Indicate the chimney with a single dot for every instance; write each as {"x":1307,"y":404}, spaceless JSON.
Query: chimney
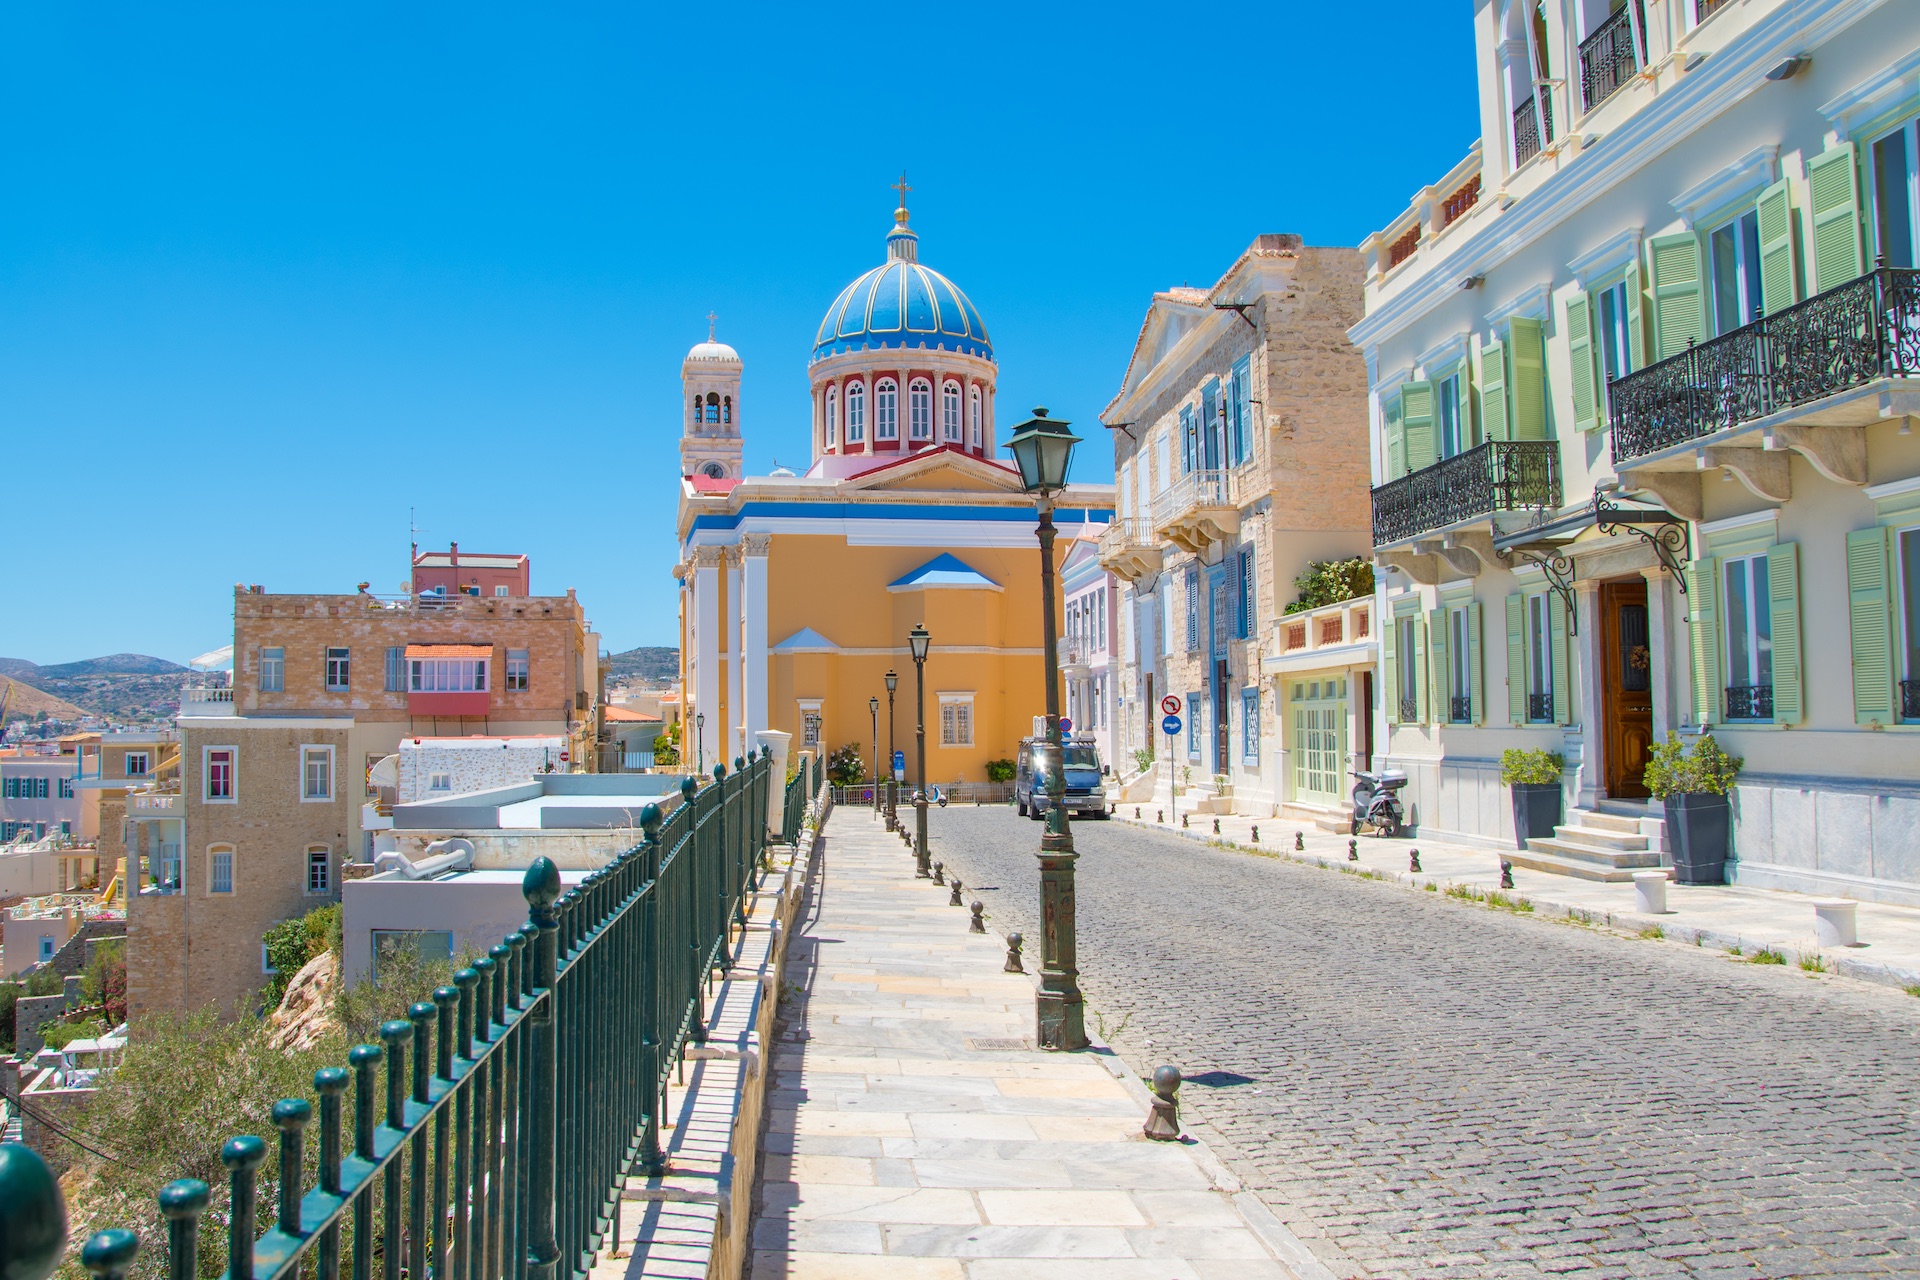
{"x":453,"y":556}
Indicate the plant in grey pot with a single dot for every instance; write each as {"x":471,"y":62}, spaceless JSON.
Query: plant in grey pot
{"x":1694,"y":785}
{"x":1533,"y":776}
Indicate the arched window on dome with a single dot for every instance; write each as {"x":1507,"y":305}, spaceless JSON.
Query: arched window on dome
{"x":713,"y":406}
{"x":973,"y":414}
{"x":886,"y":410}
{"x":833,"y":416}
{"x":950,"y":413}
{"x":920,"y":409}
{"x":726,"y":410}
{"x":856,"y":412}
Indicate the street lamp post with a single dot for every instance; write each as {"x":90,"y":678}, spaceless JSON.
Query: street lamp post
{"x":700,"y":742}
{"x":873,"y":709}
{"x":918,"y":639}
{"x":1042,"y":448}
{"x":893,"y":791}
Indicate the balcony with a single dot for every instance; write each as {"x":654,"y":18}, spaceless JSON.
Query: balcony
{"x":206,"y":701}
{"x":1196,"y":511}
{"x":1861,"y":332}
{"x":1128,"y":549}
{"x":1500,"y":475}
{"x":1608,"y":58}
{"x":1333,"y":635}
{"x":1528,"y":136}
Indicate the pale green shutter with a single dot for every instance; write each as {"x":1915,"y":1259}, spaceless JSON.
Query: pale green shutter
{"x":1779,"y":288}
{"x":1783,"y":597}
{"x":1678,"y":319}
{"x":1562,"y":678}
{"x":1869,"y":606}
{"x":1833,"y":184}
{"x":1396,"y":441}
{"x":1441,"y":678}
{"x":1463,"y":404}
{"x":1703,"y":588}
{"x":1390,"y":669}
{"x":1586,"y":413}
{"x":1636,"y":322}
{"x":1416,"y":404}
{"x":1419,"y":662}
{"x":1476,"y":670}
{"x":1527,"y":388}
{"x":1517,"y":659}
{"x":1493,"y":390}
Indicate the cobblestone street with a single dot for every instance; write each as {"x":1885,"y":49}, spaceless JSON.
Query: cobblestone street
{"x":1427,"y":1087}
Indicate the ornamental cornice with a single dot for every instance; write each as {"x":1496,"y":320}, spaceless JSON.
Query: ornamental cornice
{"x":755,"y":544}
{"x":708,"y":557}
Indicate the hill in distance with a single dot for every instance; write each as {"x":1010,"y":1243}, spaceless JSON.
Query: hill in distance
{"x":655,"y":665}
{"x":123,"y":687}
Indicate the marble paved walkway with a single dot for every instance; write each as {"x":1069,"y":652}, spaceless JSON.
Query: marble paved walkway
{"x":912,"y":1135}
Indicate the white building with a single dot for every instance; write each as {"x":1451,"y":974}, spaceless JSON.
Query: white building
{"x":1089,"y":664}
{"x":1642,"y":423}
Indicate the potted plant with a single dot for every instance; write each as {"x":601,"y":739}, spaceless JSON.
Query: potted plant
{"x":1533,"y":776}
{"x":1694,"y":786}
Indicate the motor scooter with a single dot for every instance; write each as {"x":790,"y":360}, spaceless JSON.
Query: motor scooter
{"x":1376,"y":802}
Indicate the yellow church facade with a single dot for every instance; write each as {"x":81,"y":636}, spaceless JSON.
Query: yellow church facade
{"x":797,"y":591}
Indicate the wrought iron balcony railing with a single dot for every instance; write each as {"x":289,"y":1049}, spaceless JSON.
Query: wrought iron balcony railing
{"x":1528,"y":135}
{"x":1846,"y":337}
{"x":1749,"y":702}
{"x":1410,"y":709}
{"x":1500,"y":475}
{"x":1910,"y":699}
{"x":1607,"y":57}
{"x":1540,"y":708}
{"x":1460,"y":708}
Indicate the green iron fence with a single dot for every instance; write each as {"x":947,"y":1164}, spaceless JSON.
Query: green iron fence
{"x":516,"y":1102}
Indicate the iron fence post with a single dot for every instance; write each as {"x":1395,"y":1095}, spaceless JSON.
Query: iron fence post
{"x":541,"y":888}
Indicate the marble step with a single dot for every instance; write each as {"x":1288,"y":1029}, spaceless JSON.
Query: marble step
{"x":1600,"y":837}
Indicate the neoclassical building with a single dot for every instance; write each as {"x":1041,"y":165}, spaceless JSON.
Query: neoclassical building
{"x":797,"y":590}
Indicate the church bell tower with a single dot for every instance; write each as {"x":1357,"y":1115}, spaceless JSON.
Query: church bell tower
{"x":710,"y":410}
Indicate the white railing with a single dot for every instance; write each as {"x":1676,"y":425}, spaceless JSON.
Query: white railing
{"x":1194,"y":490}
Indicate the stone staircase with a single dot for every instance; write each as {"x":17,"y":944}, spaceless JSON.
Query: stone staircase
{"x":1592,"y":845}
{"x":1318,"y":817}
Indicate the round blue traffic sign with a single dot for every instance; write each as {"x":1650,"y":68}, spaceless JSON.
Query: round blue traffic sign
{"x":1171,"y":726}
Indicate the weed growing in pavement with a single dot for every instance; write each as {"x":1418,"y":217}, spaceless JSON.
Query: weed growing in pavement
{"x":1814,"y":964}
{"x":1912,"y":989}
{"x":1767,"y":955}
{"x":1109,"y":1033}
{"x":1462,"y":892}
{"x":1735,"y":951}
{"x":1653,"y":931}
{"x":1432,"y":887}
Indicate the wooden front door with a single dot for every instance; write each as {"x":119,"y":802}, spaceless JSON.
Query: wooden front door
{"x":1627,"y":685}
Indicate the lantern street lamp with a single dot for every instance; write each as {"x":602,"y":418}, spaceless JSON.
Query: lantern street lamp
{"x":873,"y":709}
{"x":1042,"y":447}
{"x":918,"y":639}
{"x":893,"y":791}
{"x":700,"y":742}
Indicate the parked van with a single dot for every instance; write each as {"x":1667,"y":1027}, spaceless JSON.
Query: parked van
{"x":1086,"y":785}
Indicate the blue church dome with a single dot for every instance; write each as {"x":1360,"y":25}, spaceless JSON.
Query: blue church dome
{"x":902,"y":305}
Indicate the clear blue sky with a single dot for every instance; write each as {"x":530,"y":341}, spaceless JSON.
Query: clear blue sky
{"x":270,"y":275}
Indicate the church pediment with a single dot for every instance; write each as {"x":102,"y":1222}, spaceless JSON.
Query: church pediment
{"x":939,"y":471}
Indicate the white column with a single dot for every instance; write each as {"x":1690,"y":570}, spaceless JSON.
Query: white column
{"x":706,"y":673}
{"x":1590,"y":781}
{"x":736,"y":706}
{"x":1664,"y":653}
{"x":754,"y":548}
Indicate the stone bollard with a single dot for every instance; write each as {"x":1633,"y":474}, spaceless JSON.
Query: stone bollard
{"x":1256,"y":833}
{"x":1183,"y":822}
{"x":1506,"y":874}
{"x":1650,"y":892}
{"x":1353,"y":851}
{"x":1299,"y":842}
{"x":1163,"y":1122}
{"x":1413,"y":859}
{"x":1216,"y":826}
{"x":979,"y":924}
{"x":1136,"y":813}
{"x":939,"y":873}
{"x":954,"y":900}
{"x":1833,"y":922}
{"x":1159,"y":815}
{"x":1013,"y":964}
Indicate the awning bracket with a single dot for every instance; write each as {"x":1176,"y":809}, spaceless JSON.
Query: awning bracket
{"x":1669,"y":539}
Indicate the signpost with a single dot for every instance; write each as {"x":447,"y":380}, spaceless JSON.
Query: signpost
{"x":899,"y":766}
{"x":1171,"y":727}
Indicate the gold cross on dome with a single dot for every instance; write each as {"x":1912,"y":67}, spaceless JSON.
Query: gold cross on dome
{"x":711,"y":317}
{"x":902,"y":187}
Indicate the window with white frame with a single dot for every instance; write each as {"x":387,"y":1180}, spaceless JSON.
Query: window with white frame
{"x":920,"y":409}
{"x":439,"y":781}
{"x":856,"y":412}
{"x":500,"y":592}
{"x":810,"y":725}
{"x":833,"y":416}
{"x":956,"y":719}
{"x":1896,"y":195}
{"x":517,"y":670}
{"x":1749,"y":630}
{"x":66,"y":788}
{"x":886,"y":410}
{"x":319,"y":869}
{"x":220,"y":868}
{"x":1250,"y":726}
{"x":447,"y":675}
{"x":1459,"y":666}
{"x":973,"y":415}
{"x":1733,"y":266}
{"x":1407,"y":631}
{"x":1610,"y":317}
{"x":1539,"y":623}
{"x":217,"y":767}
{"x":273,"y":669}
{"x":316,"y":773}
{"x":950,"y":413}
{"x":338,"y":669}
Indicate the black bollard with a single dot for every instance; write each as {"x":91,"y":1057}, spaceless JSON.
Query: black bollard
{"x":1183,"y":822}
{"x":1506,"y":874}
{"x":1353,"y":851}
{"x":1013,"y":964}
{"x":1299,"y":841}
{"x":1413,"y":859}
{"x":939,"y":873}
{"x":1163,"y":1122}
{"x":954,"y":900}
{"x":979,"y":924}
{"x":1256,"y":833}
